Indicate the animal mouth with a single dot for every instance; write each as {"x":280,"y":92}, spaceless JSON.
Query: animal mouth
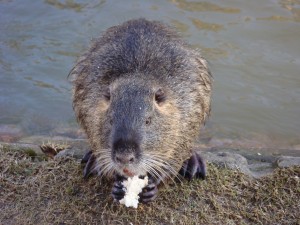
{"x":128,"y":172}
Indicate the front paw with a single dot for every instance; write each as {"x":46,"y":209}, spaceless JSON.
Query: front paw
{"x":89,"y":160}
{"x":193,"y":167}
{"x":118,"y":191}
{"x":149,"y":193}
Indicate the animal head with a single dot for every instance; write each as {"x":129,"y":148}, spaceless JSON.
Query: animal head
{"x":141,"y":98}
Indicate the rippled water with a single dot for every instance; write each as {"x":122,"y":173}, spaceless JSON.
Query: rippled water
{"x":253,"y":48}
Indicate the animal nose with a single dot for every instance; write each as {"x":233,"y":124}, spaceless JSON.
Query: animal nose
{"x":125,"y":158}
{"x":125,"y":150}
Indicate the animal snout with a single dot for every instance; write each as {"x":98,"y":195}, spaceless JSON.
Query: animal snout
{"x":125,"y":151}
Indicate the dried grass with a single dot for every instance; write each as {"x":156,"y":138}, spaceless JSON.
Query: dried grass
{"x":54,"y":192}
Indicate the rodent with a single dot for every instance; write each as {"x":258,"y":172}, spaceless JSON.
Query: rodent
{"x":142,"y":94}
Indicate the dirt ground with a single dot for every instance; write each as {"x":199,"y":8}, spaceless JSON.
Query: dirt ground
{"x":53,"y":191}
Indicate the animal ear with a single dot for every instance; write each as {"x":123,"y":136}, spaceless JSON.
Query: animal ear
{"x":80,"y":71}
{"x":73,"y":75}
{"x":160,"y":96}
{"x":207,"y":79}
{"x":204,"y":72}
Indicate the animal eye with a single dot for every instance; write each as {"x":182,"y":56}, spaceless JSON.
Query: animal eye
{"x":106,"y":94}
{"x":160,"y":96}
{"x":148,"y":121}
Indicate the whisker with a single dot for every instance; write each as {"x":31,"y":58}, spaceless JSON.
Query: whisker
{"x":165,"y":167}
{"x":153,"y":172}
{"x":154,"y":163}
{"x":162,"y":168}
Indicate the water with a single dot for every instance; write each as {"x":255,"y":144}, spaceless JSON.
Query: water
{"x":253,"y":48}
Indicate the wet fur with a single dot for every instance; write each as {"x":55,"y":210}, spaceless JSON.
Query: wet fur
{"x":144,"y":56}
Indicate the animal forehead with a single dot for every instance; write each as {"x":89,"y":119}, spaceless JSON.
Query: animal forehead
{"x":133,"y":90}
{"x":131,"y":99}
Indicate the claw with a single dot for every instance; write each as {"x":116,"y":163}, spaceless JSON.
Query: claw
{"x":89,"y":160}
{"x":86,"y":157}
{"x":117,"y":191}
{"x":149,"y":192}
{"x":194,"y":167}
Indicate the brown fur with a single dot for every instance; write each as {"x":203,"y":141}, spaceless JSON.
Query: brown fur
{"x":142,"y":56}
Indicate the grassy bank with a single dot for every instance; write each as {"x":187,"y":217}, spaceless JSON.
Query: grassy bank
{"x":53,"y":192}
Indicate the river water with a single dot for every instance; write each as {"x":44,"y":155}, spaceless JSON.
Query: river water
{"x":253,"y":48}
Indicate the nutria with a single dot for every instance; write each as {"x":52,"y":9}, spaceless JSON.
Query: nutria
{"x":141,"y":94}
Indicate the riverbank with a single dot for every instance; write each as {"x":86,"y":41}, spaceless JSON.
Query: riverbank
{"x":252,"y":158}
{"x":39,"y":189}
